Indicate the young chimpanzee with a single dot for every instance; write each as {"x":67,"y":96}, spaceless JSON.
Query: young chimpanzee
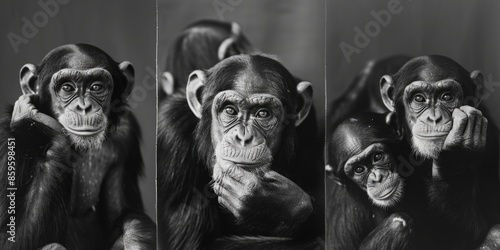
{"x":73,"y":157}
{"x":374,"y":194}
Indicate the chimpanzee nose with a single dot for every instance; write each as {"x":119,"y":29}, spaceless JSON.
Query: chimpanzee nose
{"x":82,"y":106}
{"x":244,"y":136}
{"x":435,"y":115}
{"x":376,"y":177}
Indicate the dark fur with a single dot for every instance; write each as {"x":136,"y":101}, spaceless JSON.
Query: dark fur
{"x":466,"y":204}
{"x":57,"y":214}
{"x":189,"y":215}
{"x":352,"y":220}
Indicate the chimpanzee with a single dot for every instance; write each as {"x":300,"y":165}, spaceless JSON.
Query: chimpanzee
{"x":438,"y":109}
{"x":73,"y":157}
{"x":200,"y":46}
{"x":375,"y":198}
{"x":363,"y":93}
{"x":237,"y":167}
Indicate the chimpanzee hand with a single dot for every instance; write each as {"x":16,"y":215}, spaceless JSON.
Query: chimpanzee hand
{"x":24,"y":109}
{"x":269,"y":200}
{"x":468,"y":131}
{"x":464,"y":144}
{"x":53,"y":246}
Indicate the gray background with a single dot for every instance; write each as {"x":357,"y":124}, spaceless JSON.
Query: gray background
{"x":124,"y":29}
{"x":466,"y":31}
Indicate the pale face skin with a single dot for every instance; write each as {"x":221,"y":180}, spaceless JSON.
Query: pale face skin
{"x":247,"y":128}
{"x":81,"y":103}
{"x":429,"y":107}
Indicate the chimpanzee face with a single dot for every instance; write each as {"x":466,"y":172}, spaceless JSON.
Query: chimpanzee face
{"x":247,"y":127}
{"x":247,"y":103}
{"x":428,"y":109}
{"x":81,"y":102}
{"x":374,"y":170}
{"x":77,"y":84}
{"x":424,"y":94}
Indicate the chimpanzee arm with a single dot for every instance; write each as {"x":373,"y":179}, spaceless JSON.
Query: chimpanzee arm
{"x":454,"y":192}
{"x":395,"y":232}
{"x":492,"y":240}
{"x":349,"y":219}
{"x":42,"y":173}
{"x":128,"y":225}
{"x":187,"y":209}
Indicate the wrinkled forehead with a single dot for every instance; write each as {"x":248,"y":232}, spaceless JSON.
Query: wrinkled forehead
{"x":434,"y":86}
{"x":77,"y":75}
{"x":244,"y":99}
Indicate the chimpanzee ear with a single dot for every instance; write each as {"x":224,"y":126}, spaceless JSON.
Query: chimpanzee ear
{"x":387,"y":90}
{"x":225,"y":48}
{"x":305,"y":92}
{"x":129,"y":72}
{"x":167,"y":83}
{"x":228,"y":47}
{"x":478,"y":79}
{"x":27,"y":79}
{"x":194,"y":88}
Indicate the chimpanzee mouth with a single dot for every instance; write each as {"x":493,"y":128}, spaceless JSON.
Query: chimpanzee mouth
{"x":430,"y":136}
{"x":384,"y":192}
{"x":85,"y":131}
{"x":428,"y":132}
{"x":84,"y":125}
{"x":246,"y":157}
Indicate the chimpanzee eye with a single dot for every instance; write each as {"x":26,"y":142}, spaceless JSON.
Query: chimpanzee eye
{"x":419,"y":98}
{"x":447,"y":97}
{"x":67,"y":88}
{"x":359,"y":169}
{"x":263,"y":113}
{"x":230,"y":110}
{"x":377,"y":157}
{"x":96,"y":87}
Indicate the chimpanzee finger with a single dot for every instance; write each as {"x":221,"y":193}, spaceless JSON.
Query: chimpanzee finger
{"x":45,"y":119}
{"x":217,"y":187}
{"x":473,"y":116}
{"x":475,"y":136}
{"x":457,"y":131}
{"x":274,"y":176}
{"x":238,"y":174}
{"x":233,"y":187}
{"x":231,"y":202}
{"x":225,"y":203}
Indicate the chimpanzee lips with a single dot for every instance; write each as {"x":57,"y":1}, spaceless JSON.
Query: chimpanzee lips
{"x":256,"y":155}
{"x":84,"y":131}
{"x":428,"y":132}
{"x":386,"y":190}
{"x":83,"y":125}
